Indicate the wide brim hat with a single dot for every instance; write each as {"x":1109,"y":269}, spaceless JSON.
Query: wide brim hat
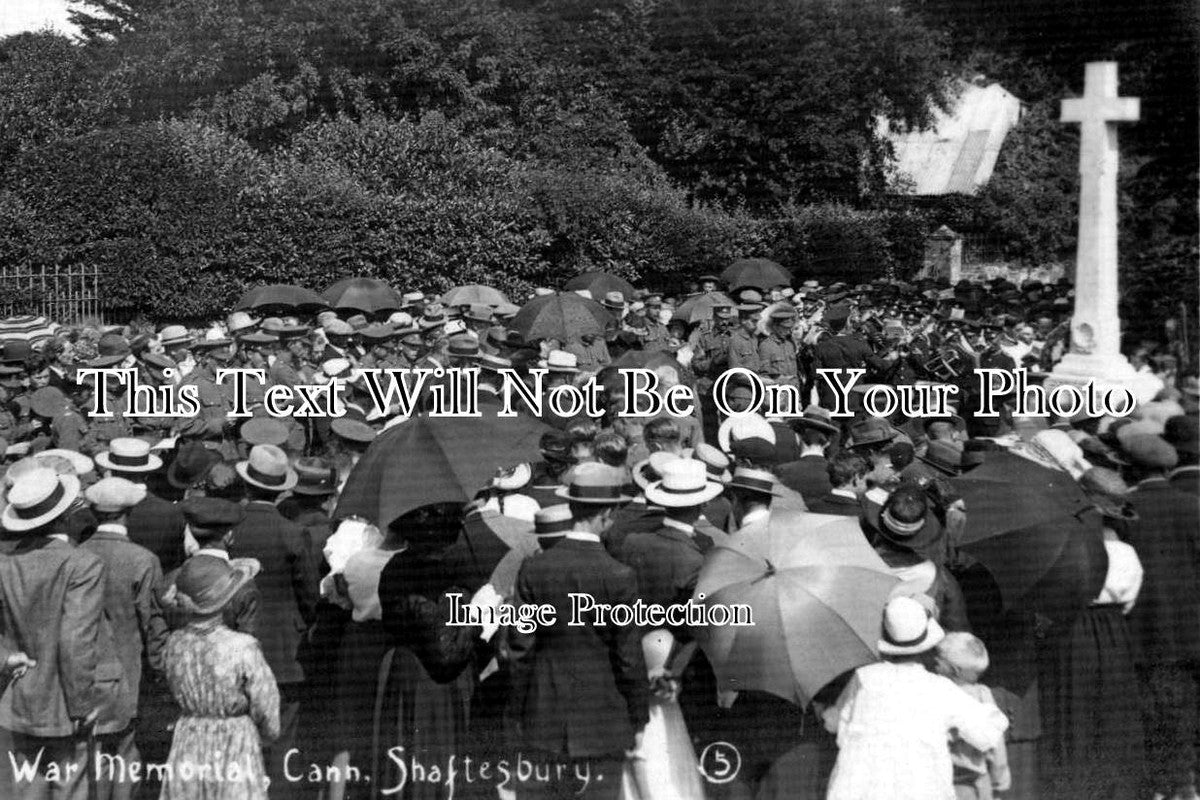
{"x":255,"y":477}
{"x":895,"y":643}
{"x":907,"y":536}
{"x":660,"y":496}
{"x":595,"y":484}
{"x":810,"y":420}
{"x":48,"y":509}
{"x":110,"y":461}
{"x":755,"y":480}
{"x":227,"y":579}
{"x":649,"y":470}
{"x":198,"y":461}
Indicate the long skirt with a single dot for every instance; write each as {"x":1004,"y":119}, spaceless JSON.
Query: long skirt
{"x":1092,"y":739}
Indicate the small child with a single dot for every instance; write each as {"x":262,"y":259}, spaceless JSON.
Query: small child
{"x":978,"y":774}
{"x":894,"y":718}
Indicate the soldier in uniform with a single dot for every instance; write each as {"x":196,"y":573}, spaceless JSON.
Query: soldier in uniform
{"x":216,"y":401}
{"x":777,"y":352}
{"x":289,"y":360}
{"x":841,"y":350}
{"x":743,"y":342}
{"x":379,"y":338}
{"x":655,"y":336}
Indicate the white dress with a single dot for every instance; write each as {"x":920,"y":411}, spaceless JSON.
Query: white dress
{"x":893,"y":725}
{"x":665,"y":766}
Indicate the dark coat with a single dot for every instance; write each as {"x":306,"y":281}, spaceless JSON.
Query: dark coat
{"x":571,"y":682}
{"x":808,"y":475}
{"x":52,"y":609}
{"x":1166,"y":535}
{"x":1186,"y":479}
{"x":667,"y":563}
{"x":157,"y":525}
{"x":132,"y":606}
{"x":632,"y":518}
{"x":287,"y":585}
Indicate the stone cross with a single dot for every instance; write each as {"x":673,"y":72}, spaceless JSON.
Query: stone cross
{"x":1095,"y":325}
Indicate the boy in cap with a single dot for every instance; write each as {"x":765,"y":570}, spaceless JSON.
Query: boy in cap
{"x":133,"y":577}
{"x":589,"y":722}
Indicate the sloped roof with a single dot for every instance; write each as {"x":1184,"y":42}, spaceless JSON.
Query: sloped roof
{"x":959,"y":153}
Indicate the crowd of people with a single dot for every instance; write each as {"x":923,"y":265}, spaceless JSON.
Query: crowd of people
{"x":185,"y":612}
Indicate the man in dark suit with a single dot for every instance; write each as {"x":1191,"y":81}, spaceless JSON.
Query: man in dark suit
{"x":1166,"y":617}
{"x":155,"y":524}
{"x":131,"y":605}
{"x":842,"y":350}
{"x":848,"y":475}
{"x":580,"y":695}
{"x":809,"y":474}
{"x":288,"y":585}
{"x":52,"y":608}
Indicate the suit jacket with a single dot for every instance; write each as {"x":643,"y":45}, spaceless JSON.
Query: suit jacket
{"x":52,"y":609}
{"x":157,"y":525}
{"x":287,"y":584}
{"x":1166,"y":536}
{"x":666,"y":562}
{"x":132,"y":606}
{"x":835,"y":504}
{"x":632,"y":518}
{"x":807,"y":475}
{"x":570,"y":683}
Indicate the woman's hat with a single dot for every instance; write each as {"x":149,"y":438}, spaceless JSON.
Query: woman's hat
{"x":684,"y":484}
{"x":898,"y":530}
{"x":37,"y":498}
{"x":614,"y":300}
{"x":205,"y":584}
{"x":754,"y":480}
{"x":113,"y":349}
{"x":716,"y":462}
{"x":127,"y":454}
{"x":553,"y":520}
{"x":509,"y":479}
{"x":595,"y":484}
{"x":908,"y":628}
{"x":1108,"y":492}
{"x":315,"y":477}
{"x":267,"y":468}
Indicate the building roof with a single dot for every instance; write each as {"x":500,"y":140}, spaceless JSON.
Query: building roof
{"x":957,"y":155}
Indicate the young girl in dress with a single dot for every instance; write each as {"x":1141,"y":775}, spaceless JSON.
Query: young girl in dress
{"x":895,"y":719}
{"x":978,"y":775}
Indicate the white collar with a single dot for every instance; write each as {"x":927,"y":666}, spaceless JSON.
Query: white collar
{"x":844,"y":493}
{"x":215,"y":552}
{"x":583,"y":536}
{"x":813,"y":450}
{"x":62,"y":537}
{"x":755,"y":515}
{"x":112,"y":527}
{"x":679,"y":526}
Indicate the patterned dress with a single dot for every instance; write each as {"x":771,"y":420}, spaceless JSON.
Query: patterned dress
{"x":228,"y":696}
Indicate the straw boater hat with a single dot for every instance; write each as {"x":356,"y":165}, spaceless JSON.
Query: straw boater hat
{"x":908,"y":628}
{"x":38,"y":498}
{"x":80,"y":463}
{"x":749,"y":425}
{"x":174,"y":336}
{"x":552,"y":521}
{"x":716,"y":462}
{"x":649,"y":470}
{"x":560,"y":361}
{"x":126,"y":454}
{"x":205,"y":584}
{"x":595,"y":484}
{"x":267,"y":468}
{"x":684,"y":484}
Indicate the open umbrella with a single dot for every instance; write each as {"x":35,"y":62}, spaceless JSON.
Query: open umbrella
{"x":600,"y":284}
{"x":757,"y":273}
{"x":1042,"y":557}
{"x":700,"y":307}
{"x":28,"y":328}
{"x":475,"y":295}
{"x":1002,"y":467}
{"x":560,"y":316}
{"x":490,"y":549}
{"x":368,"y":295}
{"x":816,"y":591}
{"x":426,"y":460}
{"x":280,"y":295}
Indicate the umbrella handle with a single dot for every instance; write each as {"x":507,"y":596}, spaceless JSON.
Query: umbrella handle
{"x":768,"y":574}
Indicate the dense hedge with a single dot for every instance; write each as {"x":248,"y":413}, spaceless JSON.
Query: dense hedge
{"x":182,"y":218}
